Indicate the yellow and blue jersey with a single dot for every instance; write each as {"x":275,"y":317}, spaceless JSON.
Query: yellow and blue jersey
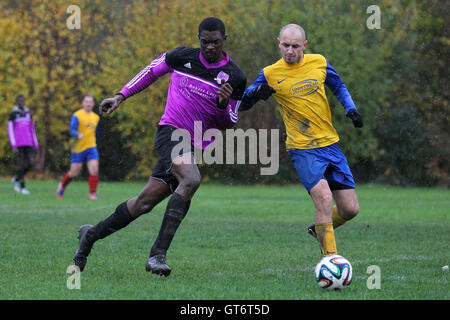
{"x":86,"y":124}
{"x":303,"y":104}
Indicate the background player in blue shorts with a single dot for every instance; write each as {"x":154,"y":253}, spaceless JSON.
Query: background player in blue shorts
{"x":83,"y":127}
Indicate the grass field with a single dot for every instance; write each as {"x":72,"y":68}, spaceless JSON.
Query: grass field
{"x":237,"y":242}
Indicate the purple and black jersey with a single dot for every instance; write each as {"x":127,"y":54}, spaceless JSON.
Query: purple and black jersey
{"x":192,"y":95}
{"x":21,"y":130}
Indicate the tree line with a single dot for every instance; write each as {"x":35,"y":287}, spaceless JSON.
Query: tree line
{"x":397,"y":75}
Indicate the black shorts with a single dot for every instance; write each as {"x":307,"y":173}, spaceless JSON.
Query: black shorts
{"x":25,"y":152}
{"x":164,"y":146}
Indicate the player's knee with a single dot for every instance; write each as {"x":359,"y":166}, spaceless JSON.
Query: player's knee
{"x":351,"y":211}
{"x":195,"y":182}
{"x":143,"y":205}
{"x":74,"y":173}
{"x":145,"y":208}
{"x":355,"y":210}
{"x":325,"y":198}
{"x":191,"y":183}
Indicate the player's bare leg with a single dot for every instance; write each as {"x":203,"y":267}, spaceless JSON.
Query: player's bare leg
{"x":323,"y":202}
{"x":323,"y":225}
{"x":188,"y":176}
{"x":347,"y":206}
{"x":153,"y":193}
{"x":75,"y":169}
{"x":92,"y":166}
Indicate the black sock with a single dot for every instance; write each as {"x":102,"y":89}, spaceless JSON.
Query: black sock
{"x":20,"y":178}
{"x":20,"y":171}
{"x":117,"y":220}
{"x":176,"y":210}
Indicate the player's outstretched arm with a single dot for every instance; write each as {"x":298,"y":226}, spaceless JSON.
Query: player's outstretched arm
{"x":141,"y":81}
{"x":258,"y":90}
{"x":110,"y":104}
{"x":339,"y":89}
{"x":262,"y":92}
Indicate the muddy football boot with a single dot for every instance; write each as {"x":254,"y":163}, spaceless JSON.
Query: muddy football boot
{"x":157,"y":264}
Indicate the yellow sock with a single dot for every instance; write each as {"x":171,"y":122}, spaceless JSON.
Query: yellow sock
{"x":337,"y":219}
{"x":325,"y":235}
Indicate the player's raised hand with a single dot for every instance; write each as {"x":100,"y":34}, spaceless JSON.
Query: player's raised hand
{"x":110,"y":104}
{"x":262,"y":92}
{"x":224,"y":94}
{"x":356,"y":118}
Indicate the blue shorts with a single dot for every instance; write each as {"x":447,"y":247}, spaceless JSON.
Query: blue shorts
{"x":326,"y":162}
{"x":84,"y":156}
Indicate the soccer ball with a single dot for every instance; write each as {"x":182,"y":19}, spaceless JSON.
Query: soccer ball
{"x":334,"y":272}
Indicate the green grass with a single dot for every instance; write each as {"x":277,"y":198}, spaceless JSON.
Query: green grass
{"x":237,"y":242}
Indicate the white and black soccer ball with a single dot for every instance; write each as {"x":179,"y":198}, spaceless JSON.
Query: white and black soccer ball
{"x":334,"y":272}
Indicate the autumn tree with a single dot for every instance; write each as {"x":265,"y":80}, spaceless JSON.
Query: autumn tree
{"x":150,"y":28}
{"x":52,"y":65}
{"x":396,"y":75}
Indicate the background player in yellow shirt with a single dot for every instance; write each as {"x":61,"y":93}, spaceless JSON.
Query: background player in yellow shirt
{"x":83,"y":127}
{"x":297,"y":83}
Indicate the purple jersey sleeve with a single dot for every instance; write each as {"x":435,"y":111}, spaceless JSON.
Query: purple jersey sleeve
{"x":227,"y":117}
{"x":146,"y":77}
{"x":11,"y":135}
{"x":33,"y":134}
